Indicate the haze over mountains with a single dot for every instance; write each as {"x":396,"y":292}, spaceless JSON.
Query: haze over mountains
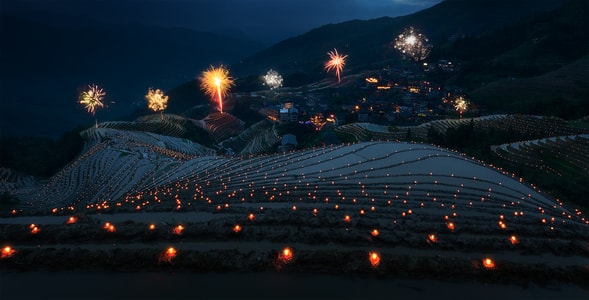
{"x":45,"y":67}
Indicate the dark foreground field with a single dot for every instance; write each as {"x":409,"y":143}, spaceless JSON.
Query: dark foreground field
{"x":261,"y":285}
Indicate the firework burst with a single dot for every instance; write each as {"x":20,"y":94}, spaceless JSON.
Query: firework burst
{"x":461,"y":105}
{"x":216,"y":82}
{"x":272,"y":79}
{"x":413,"y":44}
{"x":156,"y":100}
{"x":336,"y":63}
{"x":92,"y":99}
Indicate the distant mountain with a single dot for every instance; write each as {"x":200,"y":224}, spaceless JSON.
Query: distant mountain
{"x":370,"y":42}
{"x":539,"y":65}
{"x":532,"y":46}
{"x":563,"y":92}
{"x":44,"y":67}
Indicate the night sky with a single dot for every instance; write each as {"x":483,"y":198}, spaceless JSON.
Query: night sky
{"x":262,"y":21}
{"x":266,"y":20}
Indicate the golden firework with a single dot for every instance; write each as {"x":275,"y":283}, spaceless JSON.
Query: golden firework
{"x":461,"y":105}
{"x":92,"y":98}
{"x":156,"y":100}
{"x":216,"y":82}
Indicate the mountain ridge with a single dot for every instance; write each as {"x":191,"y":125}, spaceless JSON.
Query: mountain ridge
{"x":370,"y":41}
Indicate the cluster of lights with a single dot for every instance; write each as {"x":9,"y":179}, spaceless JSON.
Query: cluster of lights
{"x":215,"y":82}
{"x":34,"y":229}
{"x":109,"y":227}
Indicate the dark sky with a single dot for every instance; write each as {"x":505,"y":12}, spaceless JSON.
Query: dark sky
{"x":265,"y":20}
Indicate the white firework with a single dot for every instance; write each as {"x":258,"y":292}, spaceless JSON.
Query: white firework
{"x":272,"y":79}
{"x":413,"y":44}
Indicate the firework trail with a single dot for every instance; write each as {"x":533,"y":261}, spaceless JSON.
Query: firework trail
{"x":215,"y":82}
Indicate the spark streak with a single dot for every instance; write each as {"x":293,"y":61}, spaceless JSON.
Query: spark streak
{"x":216,"y":82}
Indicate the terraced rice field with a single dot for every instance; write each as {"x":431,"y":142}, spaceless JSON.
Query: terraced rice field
{"x":424,"y":211}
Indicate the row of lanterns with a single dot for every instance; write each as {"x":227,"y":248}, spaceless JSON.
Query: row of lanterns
{"x":285,"y":256}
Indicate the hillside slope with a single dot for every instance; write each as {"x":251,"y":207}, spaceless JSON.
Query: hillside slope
{"x":563,"y":93}
{"x":369,"y":42}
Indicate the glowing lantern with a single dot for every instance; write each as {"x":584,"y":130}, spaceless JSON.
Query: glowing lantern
{"x":71,"y":220}
{"x":374,"y":259}
{"x":513,"y":239}
{"x":168,"y":255}
{"x":314,"y":211}
{"x":151,"y":226}
{"x":488,"y":263}
{"x":251,"y":217}
{"x":286,"y":255}
{"x":347,"y":219}
{"x":451,"y":226}
{"x":374,"y":232}
{"x":432,"y":238}
{"x":237,"y":228}
{"x":7,"y":252}
{"x":178,"y":229}
{"x":34,"y":229}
